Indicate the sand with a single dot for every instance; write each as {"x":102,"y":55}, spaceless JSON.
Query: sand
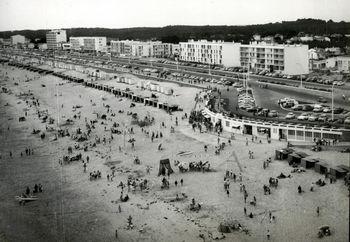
{"x":73,"y":208}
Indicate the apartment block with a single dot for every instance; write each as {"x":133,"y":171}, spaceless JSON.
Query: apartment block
{"x":122,"y":47}
{"x":98,"y":44}
{"x":141,"y":48}
{"x":77,"y":43}
{"x":55,"y":38}
{"x":215,"y":52}
{"x":162,"y":50}
{"x":286,"y":59}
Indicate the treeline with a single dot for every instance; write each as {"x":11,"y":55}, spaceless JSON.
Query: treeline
{"x":174,"y":34}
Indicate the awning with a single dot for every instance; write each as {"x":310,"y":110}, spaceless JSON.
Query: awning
{"x":236,"y":126}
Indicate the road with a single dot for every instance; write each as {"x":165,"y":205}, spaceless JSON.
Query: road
{"x":232,"y":76}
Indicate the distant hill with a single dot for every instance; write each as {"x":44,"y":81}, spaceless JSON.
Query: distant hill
{"x":174,"y":34}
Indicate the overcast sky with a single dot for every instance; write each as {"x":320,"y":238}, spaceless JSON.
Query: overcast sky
{"x":47,"y":14}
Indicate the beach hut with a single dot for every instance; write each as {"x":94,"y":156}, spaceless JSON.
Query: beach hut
{"x":282,"y":154}
{"x":294,"y":158}
{"x":321,"y":167}
{"x":337,"y":172}
{"x":344,"y":167}
{"x":302,"y":154}
{"x":308,"y":162}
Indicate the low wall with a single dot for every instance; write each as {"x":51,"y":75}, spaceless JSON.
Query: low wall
{"x":275,"y":131}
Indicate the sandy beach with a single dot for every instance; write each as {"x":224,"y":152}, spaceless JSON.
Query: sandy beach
{"x":72,"y":207}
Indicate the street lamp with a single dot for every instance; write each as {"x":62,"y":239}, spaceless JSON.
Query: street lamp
{"x":301,"y":79}
{"x":332,"y":101}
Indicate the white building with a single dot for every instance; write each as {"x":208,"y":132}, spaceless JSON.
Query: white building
{"x":214,"y":53}
{"x":77,"y":43}
{"x":161,"y":50}
{"x":257,"y":37}
{"x":18,"y":39}
{"x":55,"y":38}
{"x":98,"y":44}
{"x":122,"y":47}
{"x":286,"y":59}
{"x":42,"y":46}
{"x":306,"y":38}
{"x":141,"y":48}
{"x":339,"y":63}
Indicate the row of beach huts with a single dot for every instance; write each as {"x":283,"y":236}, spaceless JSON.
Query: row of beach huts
{"x":148,"y":101}
{"x":319,"y":165}
{"x":96,"y":73}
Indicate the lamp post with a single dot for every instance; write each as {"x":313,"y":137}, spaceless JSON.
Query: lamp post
{"x":301,"y":79}
{"x":332,"y":101}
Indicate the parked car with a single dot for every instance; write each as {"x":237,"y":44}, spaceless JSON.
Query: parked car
{"x":263,"y":112}
{"x":338,"y":110}
{"x":290,"y":116}
{"x":307,"y":107}
{"x":298,"y":107}
{"x":303,"y":116}
{"x":313,"y":118}
{"x":321,"y":100}
{"x":327,"y":110}
{"x":318,"y":109}
{"x":272,"y":113}
{"x":323,"y":118}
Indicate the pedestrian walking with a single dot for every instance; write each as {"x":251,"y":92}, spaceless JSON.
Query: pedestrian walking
{"x":268,"y":234}
{"x":245,"y":211}
{"x":318,"y":211}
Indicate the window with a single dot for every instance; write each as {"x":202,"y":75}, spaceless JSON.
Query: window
{"x":317,"y":135}
{"x":291,"y":134}
{"x":308,"y":135}
{"x":300,"y":135}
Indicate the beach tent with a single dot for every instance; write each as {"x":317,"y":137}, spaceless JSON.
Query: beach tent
{"x":321,"y":167}
{"x":308,"y":162}
{"x":337,"y":172}
{"x":165,"y":167}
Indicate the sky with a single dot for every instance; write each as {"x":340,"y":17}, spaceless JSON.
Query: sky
{"x":50,"y":14}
